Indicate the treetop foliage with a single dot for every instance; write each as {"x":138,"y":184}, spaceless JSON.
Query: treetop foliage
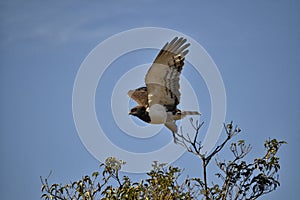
{"x":238,"y":178}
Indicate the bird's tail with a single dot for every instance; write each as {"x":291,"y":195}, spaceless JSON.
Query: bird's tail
{"x":181,"y":114}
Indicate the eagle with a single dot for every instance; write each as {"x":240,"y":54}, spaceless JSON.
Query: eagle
{"x":158,"y":101}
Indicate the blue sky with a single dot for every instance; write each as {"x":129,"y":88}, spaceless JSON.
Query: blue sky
{"x":255,"y":45}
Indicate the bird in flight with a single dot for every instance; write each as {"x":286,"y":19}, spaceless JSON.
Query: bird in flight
{"x":157,"y":102}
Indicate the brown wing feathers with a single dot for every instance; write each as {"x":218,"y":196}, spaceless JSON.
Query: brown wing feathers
{"x":162,"y":79}
{"x":175,"y":47}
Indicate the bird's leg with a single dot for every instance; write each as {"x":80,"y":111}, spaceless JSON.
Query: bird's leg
{"x":174,"y":137}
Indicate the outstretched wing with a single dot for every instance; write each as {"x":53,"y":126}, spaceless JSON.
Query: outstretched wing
{"x":140,"y":95}
{"x":162,"y":79}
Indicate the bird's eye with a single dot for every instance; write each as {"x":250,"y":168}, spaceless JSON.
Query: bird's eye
{"x":133,"y":109}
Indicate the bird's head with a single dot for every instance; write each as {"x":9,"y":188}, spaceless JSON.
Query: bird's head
{"x":140,"y":112}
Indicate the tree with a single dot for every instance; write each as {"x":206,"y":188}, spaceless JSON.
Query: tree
{"x":238,"y":179}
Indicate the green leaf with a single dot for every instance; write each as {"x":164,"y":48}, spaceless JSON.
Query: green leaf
{"x":241,"y":142}
{"x":95,"y":174}
{"x":43,"y":187}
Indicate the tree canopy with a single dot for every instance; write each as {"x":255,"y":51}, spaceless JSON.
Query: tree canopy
{"x":237,"y":178}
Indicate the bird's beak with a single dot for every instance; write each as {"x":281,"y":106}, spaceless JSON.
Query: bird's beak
{"x":129,"y":113}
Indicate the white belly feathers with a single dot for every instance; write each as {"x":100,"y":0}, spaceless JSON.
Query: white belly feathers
{"x":158,"y":114}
